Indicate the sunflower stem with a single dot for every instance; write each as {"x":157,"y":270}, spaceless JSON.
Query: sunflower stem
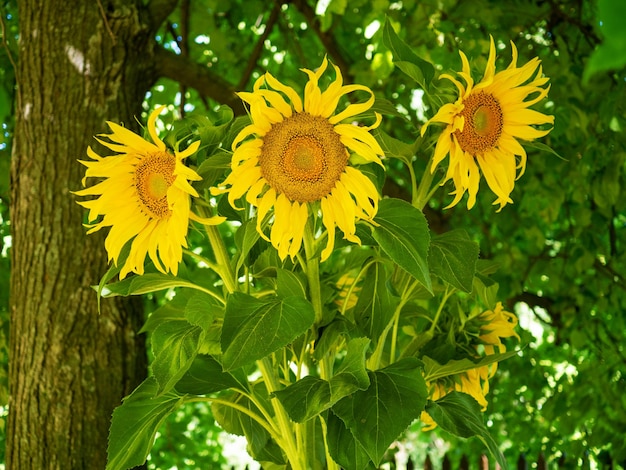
{"x":284,"y":423}
{"x":313,"y":272}
{"x":423,"y":192}
{"x":222,"y":260}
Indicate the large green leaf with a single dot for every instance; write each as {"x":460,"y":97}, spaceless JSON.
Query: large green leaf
{"x":135,"y":423}
{"x":344,"y":448}
{"x":453,"y":257}
{"x":175,"y":344}
{"x":290,"y":284}
{"x":374,"y":308}
{"x":459,"y":414}
{"x":403,"y":235}
{"x":254,"y":328}
{"x":378,"y":415}
{"x":406,"y":59}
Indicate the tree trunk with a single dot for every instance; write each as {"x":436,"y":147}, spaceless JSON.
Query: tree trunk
{"x":81,"y":62}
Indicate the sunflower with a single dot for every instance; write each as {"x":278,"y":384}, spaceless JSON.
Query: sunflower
{"x":294,"y":159}
{"x":143,"y":196}
{"x":496,"y":324}
{"x":484,"y":125}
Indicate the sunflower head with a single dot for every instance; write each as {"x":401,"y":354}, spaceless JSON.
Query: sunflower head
{"x":143,"y":195}
{"x":293,"y":160}
{"x":484,"y":127}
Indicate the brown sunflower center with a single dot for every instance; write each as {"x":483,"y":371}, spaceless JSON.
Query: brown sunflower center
{"x":303,"y":157}
{"x":153,"y":177}
{"x":483,"y":123}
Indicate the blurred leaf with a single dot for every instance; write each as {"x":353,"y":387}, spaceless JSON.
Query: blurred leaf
{"x":408,"y":61}
{"x":611,"y":54}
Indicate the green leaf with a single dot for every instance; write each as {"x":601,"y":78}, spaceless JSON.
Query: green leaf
{"x":611,"y":54}
{"x":311,"y":395}
{"x":205,"y":376}
{"x":144,"y":284}
{"x":351,"y":375}
{"x":246,"y":238}
{"x":135,"y":423}
{"x":486,"y":288}
{"x":255,"y":328}
{"x":175,"y":345}
{"x":213,"y":168}
{"x":459,"y":414}
{"x":396,"y":148}
{"x":289,"y":284}
{"x":435,"y":371}
{"x":234,"y":421}
{"x":378,"y":415}
{"x":344,"y":448}
{"x":403,"y":235}
{"x":453,"y":256}
{"x":374,"y":308}
{"x":305,"y":399}
{"x":409,"y":62}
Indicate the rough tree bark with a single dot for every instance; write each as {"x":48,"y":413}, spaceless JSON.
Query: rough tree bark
{"x":81,"y":62}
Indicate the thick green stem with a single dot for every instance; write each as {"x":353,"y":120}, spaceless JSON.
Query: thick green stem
{"x":222,"y":260}
{"x":287,"y":430}
{"x":423,"y":193}
{"x":313,"y":273}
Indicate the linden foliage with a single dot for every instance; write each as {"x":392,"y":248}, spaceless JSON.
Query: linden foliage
{"x":318,"y":365}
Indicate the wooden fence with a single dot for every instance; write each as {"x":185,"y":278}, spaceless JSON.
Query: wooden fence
{"x":602,"y":462}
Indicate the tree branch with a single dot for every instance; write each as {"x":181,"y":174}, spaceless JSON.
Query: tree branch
{"x":197,"y":76}
{"x":329,"y":42}
{"x":258,"y":48}
{"x":159,"y":10}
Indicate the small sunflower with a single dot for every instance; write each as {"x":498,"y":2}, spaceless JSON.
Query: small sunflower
{"x":485,"y":124}
{"x":295,"y":159}
{"x":496,"y":324}
{"x":144,"y":195}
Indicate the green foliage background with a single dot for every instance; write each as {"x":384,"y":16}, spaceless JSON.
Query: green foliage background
{"x":560,"y":249}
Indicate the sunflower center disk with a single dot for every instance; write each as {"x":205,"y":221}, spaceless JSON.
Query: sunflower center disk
{"x":303,"y":157}
{"x":483,"y":123}
{"x":153,"y":177}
